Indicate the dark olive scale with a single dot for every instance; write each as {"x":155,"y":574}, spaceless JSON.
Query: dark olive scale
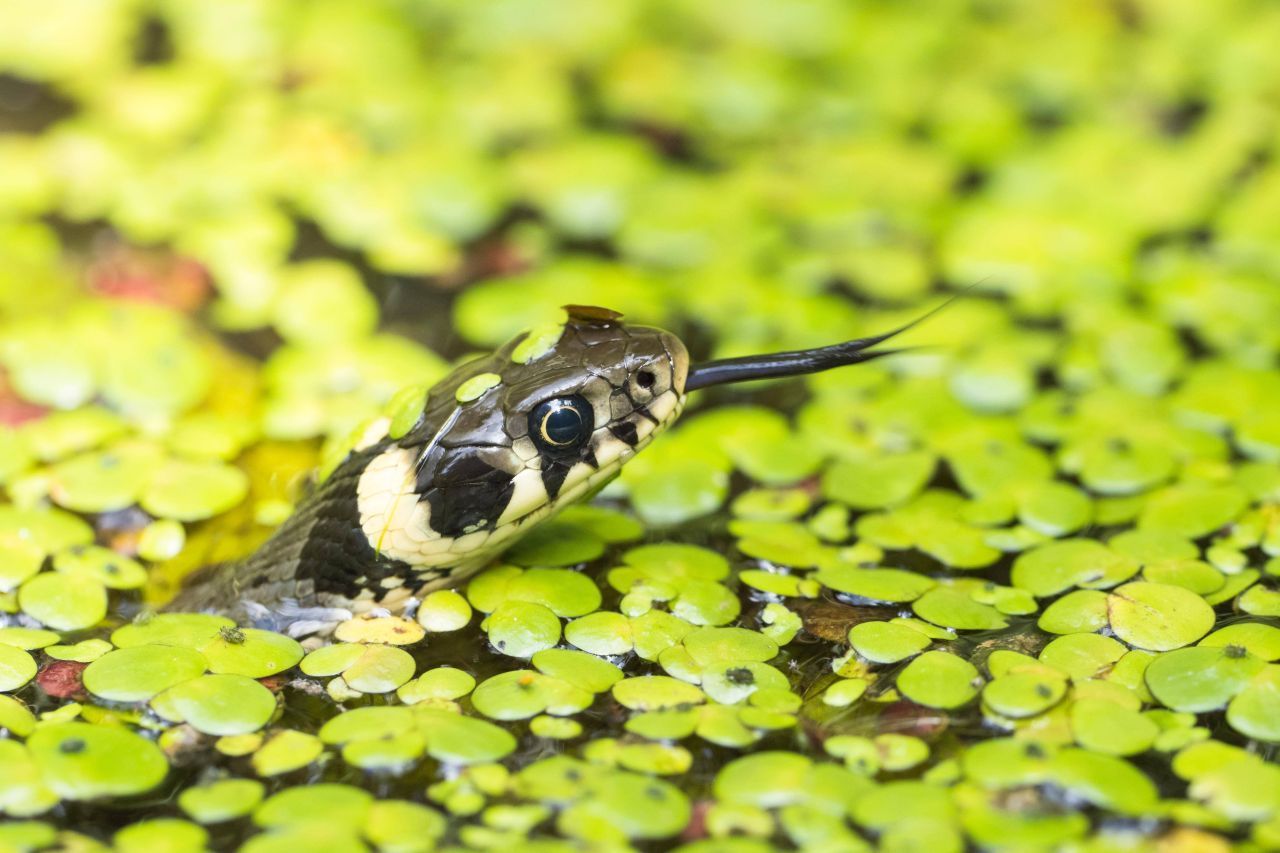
{"x":553,"y":424}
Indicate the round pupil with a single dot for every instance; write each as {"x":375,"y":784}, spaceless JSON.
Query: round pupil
{"x":562,"y":425}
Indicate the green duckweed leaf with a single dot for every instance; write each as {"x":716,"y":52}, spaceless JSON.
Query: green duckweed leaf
{"x":80,"y":761}
{"x":192,"y":491}
{"x":1024,"y":694}
{"x":939,"y":680}
{"x":286,"y":751}
{"x":17,"y":667}
{"x":1059,"y":566}
{"x":1200,"y":678}
{"x":886,"y":642}
{"x":1255,"y":711}
{"x":1158,"y":617}
{"x":63,"y":602}
{"x":138,"y":673}
{"x":224,"y":800}
{"x":218,"y":704}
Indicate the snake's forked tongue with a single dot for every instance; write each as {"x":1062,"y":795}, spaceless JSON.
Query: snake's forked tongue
{"x":798,"y":362}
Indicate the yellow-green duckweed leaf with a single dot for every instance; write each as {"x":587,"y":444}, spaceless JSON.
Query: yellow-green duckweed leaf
{"x":706,"y":603}
{"x":1104,"y":727}
{"x":63,"y":602}
{"x":455,"y":739}
{"x":601,"y":633}
{"x":106,"y":480}
{"x":1158,"y":617}
{"x":1082,"y":656}
{"x":17,"y":667}
{"x":165,"y":833}
{"x":1258,"y":639}
{"x":1194,"y":575}
{"x":1058,"y":566}
{"x":577,"y":668}
{"x":15,"y":717}
{"x":886,"y":642}
{"x":653,"y":692}
{"x":556,"y":544}
{"x":284,"y":752}
{"x":844,"y":692}
{"x":784,"y":543}
{"x":1103,"y":780}
{"x":392,"y":755}
{"x":520,"y":628}
{"x":607,"y":811}
{"x":875,"y":482}
{"x":379,"y":669}
{"x":1079,"y":611}
{"x":19,"y":560}
{"x":338,"y":806}
{"x":80,"y":761}
{"x":1255,"y":711}
{"x":1193,"y":510}
{"x":224,"y":800}
{"x":1053,"y":508}
{"x":679,"y":492}
{"x":891,"y":585}
{"x":444,"y":610}
{"x":369,"y":628}
{"x":218,"y":704}
{"x":897,"y":802}
{"x":939,"y":680}
{"x":321,"y":302}
{"x":27,"y":638}
{"x":555,"y":728}
{"x":103,"y":565}
{"x":405,"y":410}
{"x":1024,"y":694}
{"x":192,"y":491}
{"x":476,"y":387}
{"x":191,"y":630}
{"x":950,"y":607}
{"x":1200,"y":678}
{"x":396,"y":825}
{"x":251,"y":652}
{"x":331,"y":660}
{"x":23,"y":791}
{"x":28,"y":835}
{"x":444,"y":682}
{"x":539,"y":341}
{"x":771,"y":504}
{"x":138,"y":673}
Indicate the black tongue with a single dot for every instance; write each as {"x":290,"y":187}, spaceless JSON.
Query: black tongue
{"x":799,"y":362}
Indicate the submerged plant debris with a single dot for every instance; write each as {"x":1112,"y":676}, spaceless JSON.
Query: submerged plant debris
{"x":1019,"y":589}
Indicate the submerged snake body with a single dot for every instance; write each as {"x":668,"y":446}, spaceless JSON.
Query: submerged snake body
{"x":502,"y":443}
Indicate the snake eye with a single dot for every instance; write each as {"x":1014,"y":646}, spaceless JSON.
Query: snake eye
{"x":561,"y":424}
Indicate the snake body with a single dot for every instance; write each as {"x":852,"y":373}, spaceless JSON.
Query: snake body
{"x":500,"y":444}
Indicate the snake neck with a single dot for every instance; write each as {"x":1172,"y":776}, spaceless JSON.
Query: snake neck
{"x":319,"y":558}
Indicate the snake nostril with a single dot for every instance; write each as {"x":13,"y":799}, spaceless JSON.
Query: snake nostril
{"x":646,"y":379}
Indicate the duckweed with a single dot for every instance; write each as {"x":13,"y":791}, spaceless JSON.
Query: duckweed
{"x":1014,"y":589}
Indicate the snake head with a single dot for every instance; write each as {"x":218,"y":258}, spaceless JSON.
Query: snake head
{"x":508,"y":438}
